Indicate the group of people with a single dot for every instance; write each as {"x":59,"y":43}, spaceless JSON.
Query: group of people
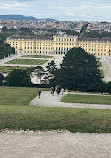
{"x":58,"y":90}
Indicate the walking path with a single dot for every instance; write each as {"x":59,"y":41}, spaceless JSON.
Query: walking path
{"x":54,"y":145}
{"x":48,"y":100}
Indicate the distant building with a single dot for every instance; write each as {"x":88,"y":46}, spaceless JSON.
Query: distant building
{"x":59,"y":44}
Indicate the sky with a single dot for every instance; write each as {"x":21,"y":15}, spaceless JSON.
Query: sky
{"x":69,"y":10}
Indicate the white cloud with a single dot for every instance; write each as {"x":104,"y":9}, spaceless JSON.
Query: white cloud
{"x":59,"y":9}
{"x":12,"y":5}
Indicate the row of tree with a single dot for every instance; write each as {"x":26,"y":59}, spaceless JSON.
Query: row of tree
{"x":5,"y":50}
{"x":97,"y":35}
{"x":78,"y":71}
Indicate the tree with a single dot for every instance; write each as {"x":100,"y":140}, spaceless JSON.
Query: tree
{"x":4,"y":29}
{"x":18,"y":78}
{"x":5,"y":50}
{"x":79,"y":71}
{"x":50,"y":72}
{"x":1,"y":79}
{"x":39,"y":72}
{"x":108,"y":85}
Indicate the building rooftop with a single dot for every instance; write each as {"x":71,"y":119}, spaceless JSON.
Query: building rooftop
{"x":36,"y":38}
{"x":106,"y":40}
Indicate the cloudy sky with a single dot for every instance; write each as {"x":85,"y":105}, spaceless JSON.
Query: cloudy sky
{"x":76,"y":10}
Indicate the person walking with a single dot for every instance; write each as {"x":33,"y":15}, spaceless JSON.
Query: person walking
{"x":53,"y":89}
{"x":58,"y":90}
{"x":62,"y":90}
{"x":39,"y":93}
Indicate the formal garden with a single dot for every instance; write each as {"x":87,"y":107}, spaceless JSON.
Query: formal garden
{"x":28,"y":61}
{"x":8,"y":69}
{"x":37,"y":56}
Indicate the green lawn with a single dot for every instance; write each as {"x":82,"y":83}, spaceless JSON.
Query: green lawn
{"x":37,"y":56}
{"x":27,"y":61}
{"x":89,"y":99}
{"x":15,"y":113}
{"x":8,"y":69}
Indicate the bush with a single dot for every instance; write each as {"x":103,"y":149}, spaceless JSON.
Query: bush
{"x":19,"y":78}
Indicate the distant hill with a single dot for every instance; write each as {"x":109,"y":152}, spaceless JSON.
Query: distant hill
{"x":49,"y":19}
{"x":22,"y":17}
{"x":16,"y":17}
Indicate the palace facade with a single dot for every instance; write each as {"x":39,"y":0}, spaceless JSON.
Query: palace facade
{"x":59,"y":44}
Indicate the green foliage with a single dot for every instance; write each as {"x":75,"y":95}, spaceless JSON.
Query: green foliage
{"x":79,"y":71}
{"x":102,"y":73}
{"x":6,"y":50}
{"x":26,"y":31}
{"x":97,"y":35}
{"x":18,"y":78}
{"x":1,"y":79}
{"x":70,"y":32}
{"x":4,"y":29}
{"x":50,"y":72}
{"x":39,"y":72}
{"x":108,"y":87}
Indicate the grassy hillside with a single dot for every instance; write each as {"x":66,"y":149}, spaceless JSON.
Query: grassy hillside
{"x":15,"y":113}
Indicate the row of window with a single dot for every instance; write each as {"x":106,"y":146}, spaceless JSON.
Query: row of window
{"x":51,"y":44}
{"x":65,"y":39}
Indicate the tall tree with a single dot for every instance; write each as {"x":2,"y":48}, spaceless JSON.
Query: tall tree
{"x":50,"y":71}
{"x":79,"y":71}
{"x":38,"y":72}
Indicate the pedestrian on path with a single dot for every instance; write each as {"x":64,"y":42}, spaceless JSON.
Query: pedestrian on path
{"x":58,"y":90}
{"x":39,"y":93}
{"x":62,"y":91}
{"x":53,"y":89}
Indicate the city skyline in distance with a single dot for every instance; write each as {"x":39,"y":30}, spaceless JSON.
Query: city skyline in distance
{"x":62,"y":10}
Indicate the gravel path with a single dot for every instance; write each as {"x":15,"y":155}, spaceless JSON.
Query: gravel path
{"x":55,"y":145}
{"x":48,"y":100}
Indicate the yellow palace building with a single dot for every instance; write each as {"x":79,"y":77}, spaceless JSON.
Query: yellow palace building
{"x":59,"y":44}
